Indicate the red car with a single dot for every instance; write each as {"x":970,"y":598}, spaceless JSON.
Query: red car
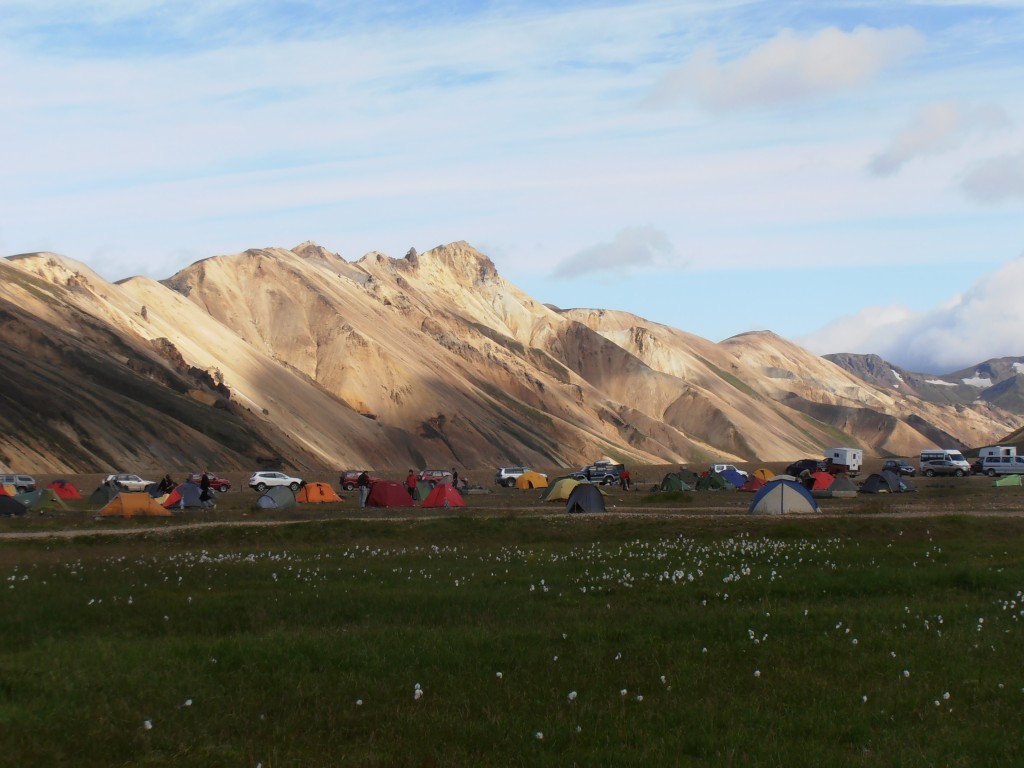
{"x":350,"y":478}
{"x":216,"y":483}
{"x":434,"y":476}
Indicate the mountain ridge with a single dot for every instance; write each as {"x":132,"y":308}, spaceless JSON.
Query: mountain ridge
{"x":304,"y":359}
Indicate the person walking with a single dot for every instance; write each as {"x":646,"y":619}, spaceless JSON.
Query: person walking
{"x":625,"y":479}
{"x":204,"y":490}
{"x":410,"y":484}
{"x":364,"y":487}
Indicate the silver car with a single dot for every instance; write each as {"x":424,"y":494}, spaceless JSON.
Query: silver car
{"x":260,"y":481}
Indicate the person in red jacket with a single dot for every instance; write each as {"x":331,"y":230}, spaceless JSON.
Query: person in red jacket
{"x":410,"y":484}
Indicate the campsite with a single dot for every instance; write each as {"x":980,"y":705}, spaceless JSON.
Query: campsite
{"x":673,"y":628}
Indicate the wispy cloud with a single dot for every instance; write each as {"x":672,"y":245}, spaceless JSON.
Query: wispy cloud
{"x":788,"y":68}
{"x":937,"y":128}
{"x":996,"y":179}
{"x":631,"y":249}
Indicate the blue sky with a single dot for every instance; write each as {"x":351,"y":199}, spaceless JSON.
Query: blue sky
{"x":848,"y":175}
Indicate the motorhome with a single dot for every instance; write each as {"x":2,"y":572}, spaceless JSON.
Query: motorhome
{"x":846,"y":460}
{"x":1000,"y":451}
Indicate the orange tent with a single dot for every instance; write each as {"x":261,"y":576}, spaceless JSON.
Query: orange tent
{"x":316,"y":493}
{"x":64,"y":489}
{"x":133,"y":505}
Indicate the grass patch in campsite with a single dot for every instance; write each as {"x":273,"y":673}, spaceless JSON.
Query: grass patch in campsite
{"x":668,"y":498}
{"x":585,"y":640}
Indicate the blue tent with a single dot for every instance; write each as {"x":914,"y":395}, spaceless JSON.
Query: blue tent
{"x":733,"y":477}
{"x":783,"y":497}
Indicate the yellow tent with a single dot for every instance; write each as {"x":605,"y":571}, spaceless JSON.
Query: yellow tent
{"x":529,"y":480}
{"x":560,"y":490}
{"x":316,"y":493}
{"x":764,"y":474}
{"x":134,"y":505}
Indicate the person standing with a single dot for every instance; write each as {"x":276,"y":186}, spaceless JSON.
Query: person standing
{"x":204,"y":490}
{"x":364,"y":487}
{"x":455,"y":477}
{"x":625,"y":479}
{"x":410,"y":484}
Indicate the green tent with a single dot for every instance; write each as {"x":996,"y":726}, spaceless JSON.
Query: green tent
{"x":423,"y":489}
{"x":714,"y":482}
{"x":40,"y":500}
{"x":674,"y":482}
{"x":1007,"y":481}
{"x":103,"y":495}
{"x":277,"y":497}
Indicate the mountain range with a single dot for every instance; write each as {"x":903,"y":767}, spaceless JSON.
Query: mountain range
{"x":301,"y":359}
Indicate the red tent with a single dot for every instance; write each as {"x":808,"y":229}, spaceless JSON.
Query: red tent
{"x":388,"y":493}
{"x":64,"y":489}
{"x":753,"y":484}
{"x":822,"y":480}
{"x":444,"y":495}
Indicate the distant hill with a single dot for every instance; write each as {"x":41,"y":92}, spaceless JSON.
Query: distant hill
{"x":302,"y":359}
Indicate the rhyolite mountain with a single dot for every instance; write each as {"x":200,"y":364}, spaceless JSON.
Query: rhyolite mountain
{"x":302,"y":359}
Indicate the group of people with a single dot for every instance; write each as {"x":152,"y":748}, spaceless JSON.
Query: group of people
{"x":167,"y":484}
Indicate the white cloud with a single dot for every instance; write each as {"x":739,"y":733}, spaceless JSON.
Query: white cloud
{"x":937,"y":128}
{"x":996,"y":179}
{"x":632,"y":248}
{"x":985,"y":322}
{"x":789,"y":68}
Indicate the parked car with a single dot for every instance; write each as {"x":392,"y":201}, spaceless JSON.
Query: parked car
{"x":260,"y":481}
{"x":127,"y":482}
{"x":942,"y":467}
{"x":900,"y":467}
{"x":507,"y":476}
{"x":1002,"y":465}
{"x":600,"y":473}
{"x":349,"y":478}
{"x":807,"y":465}
{"x":21,"y":483}
{"x":434,"y":476}
{"x":219,"y":484}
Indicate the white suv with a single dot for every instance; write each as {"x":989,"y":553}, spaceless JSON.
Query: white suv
{"x":720,"y":468}
{"x":22,"y":483}
{"x":132,"y":483}
{"x":507,"y":476}
{"x":260,"y":481}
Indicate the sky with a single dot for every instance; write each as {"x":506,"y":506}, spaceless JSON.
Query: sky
{"x":849,"y":175}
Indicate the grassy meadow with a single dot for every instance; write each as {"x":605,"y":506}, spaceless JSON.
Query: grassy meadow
{"x":510,"y":639}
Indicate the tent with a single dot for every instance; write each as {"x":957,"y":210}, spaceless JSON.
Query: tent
{"x":276,"y":497}
{"x":560,"y":489}
{"x":7,"y":490}
{"x":764,"y":474}
{"x":423,"y":489}
{"x":842,"y":488}
{"x":734,"y":477}
{"x":673,"y":481}
{"x":529,"y":480}
{"x":714,"y":482}
{"x":316,"y":493}
{"x":41,"y":499}
{"x":1006,"y":481}
{"x":389,"y":493}
{"x":64,"y":489}
{"x":11,"y":506}
{"x":103,"y":494}
{"x":444,"y":495}
{"x":819,"y":481}
{"x":688,"y":476}
{"x":127,"y":504}
{"x":184,"y":495}
{"x":753,"y":484}
{"x":884,"y":482}
{"x":585,"y":498}
{"x":783,"y":497}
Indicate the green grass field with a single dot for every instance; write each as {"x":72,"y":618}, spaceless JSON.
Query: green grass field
{"x":509,"y":640}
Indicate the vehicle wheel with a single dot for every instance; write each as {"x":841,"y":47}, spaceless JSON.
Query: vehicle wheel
{"x":510,"y":483}
{"x":990,"y":472}
{"x":294,"y":487}
{"x":959,"y":473}
{"x":222,"y":489}
{"x":929,"y":473}
{"x":261,"y":487}
{"x":348,"y":486}
{"x":21,"y":489}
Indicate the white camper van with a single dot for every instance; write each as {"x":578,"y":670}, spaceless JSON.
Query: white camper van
{"x":846,"y":460}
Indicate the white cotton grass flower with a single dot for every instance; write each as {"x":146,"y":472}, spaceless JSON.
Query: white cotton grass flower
{"x":864,"y":699}
{"x":623,"y":692}
{"x":498,"y":675}
{"x":906,"y":673}
{"x":359,"y":702}
{"x":417,"y":692}
{"x":147,"y":725}
{"x":539,"y":735}
{"x":757,"y":673}
{"x":571,"y":696}
{"x":639,"y":697}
